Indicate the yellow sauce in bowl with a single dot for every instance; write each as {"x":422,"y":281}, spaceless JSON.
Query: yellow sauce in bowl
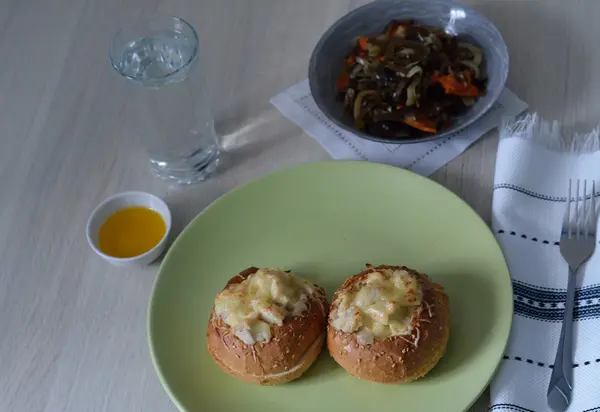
{"x":130,"y":232}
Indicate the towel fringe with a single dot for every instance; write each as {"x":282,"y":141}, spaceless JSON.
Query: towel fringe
{"x":546,"y":133}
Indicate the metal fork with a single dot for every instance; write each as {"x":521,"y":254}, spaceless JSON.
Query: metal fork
{"x":577,"y":243}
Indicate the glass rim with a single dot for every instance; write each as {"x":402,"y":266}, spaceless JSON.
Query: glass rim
{"x":148,"y":19}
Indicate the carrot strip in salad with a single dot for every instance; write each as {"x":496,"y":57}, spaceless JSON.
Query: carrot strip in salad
{"x":363,"y":42}
{"x":343,"y":81}
{"x":424,"y":125}
{"x":398,"y":27}
{"x":456,"y":87}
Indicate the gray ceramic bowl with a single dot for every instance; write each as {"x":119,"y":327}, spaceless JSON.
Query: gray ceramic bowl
{"x":369,"y":20}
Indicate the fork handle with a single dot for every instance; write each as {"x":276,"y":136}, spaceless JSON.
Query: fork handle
{"x":563,"y":363}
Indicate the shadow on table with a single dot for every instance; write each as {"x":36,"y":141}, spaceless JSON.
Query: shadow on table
{"x":245,"y":135}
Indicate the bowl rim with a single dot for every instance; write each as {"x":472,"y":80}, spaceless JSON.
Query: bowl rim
{"x":166,"y":216}
{"x":447,"y":133}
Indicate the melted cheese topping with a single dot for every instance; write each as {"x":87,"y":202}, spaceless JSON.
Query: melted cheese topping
{"x":382,"y":305}
{"x":263,"y":299}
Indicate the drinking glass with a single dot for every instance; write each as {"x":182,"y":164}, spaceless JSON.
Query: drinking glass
{"x":167,"y":100}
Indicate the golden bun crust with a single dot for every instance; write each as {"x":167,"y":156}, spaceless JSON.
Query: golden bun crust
{"x":397,"y":359}
{"x":292,"y":349}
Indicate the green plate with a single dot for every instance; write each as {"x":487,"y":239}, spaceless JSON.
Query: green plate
{"x":325,"y":221}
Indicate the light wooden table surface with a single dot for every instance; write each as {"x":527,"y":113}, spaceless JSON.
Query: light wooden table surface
{"x":72,"y":328}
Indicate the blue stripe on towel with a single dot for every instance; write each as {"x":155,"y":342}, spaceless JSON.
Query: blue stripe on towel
{"x":533,"y":194}
{"x":529,"y":192}
{"x":548,"y":304}
{"x":556,"y":315}
{"x":553,"y":295}
{"x":508,"y":407}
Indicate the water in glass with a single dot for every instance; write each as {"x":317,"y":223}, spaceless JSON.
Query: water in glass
{"x":168,"y":99}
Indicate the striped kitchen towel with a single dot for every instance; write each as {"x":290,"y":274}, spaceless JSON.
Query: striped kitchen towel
{"x":532,"y":169}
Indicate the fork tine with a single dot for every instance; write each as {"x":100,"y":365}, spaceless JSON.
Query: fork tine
{"x":577,"y":222}
{"x":567,"y":218}
{"x":585,"y":216}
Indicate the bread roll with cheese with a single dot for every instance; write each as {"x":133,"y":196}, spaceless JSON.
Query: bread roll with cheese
{"x":388,"y":324}
{"x":268,"y":326}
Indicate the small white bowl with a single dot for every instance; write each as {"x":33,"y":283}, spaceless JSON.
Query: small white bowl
{"x":120,"y":201}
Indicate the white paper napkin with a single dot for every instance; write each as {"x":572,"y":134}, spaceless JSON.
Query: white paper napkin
{"x":532,"y":170}
{"x":297,"y":104}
